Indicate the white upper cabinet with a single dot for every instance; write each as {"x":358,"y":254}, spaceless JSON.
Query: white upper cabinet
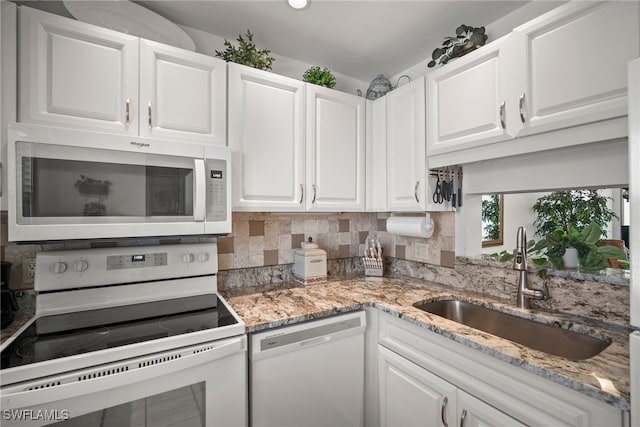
{"x":467,"y":99}
{"x":376,"y":154}
{"x":77,"y":75}
{"x":406,"y":157}
{"x":295,"y":146}
{"x":571,"y":67}
{"x":335,"y":160}
{"x":83,"y":76}
{"x":556,"y":81}
{"x":266,"y":137}
{"x":182,"y":93}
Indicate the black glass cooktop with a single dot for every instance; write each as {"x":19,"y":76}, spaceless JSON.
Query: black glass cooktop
{"x":63,"y":335}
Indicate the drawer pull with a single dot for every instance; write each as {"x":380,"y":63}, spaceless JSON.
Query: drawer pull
{"x":463,"y":417}
{"x":127,"y":115}
{"x":443,"y":412}
{"x":521,"y":104}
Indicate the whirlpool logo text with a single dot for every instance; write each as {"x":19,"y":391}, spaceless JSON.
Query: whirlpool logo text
{"x":140,"y":144}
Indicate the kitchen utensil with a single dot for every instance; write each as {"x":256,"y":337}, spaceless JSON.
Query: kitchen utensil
{"x":454,"y":197}
{"x":437,"y":193}
{"x":459,"y":187}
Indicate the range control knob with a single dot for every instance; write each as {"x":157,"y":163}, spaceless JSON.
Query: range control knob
{"x":203,"y":257}
{"x":59,"y":267}
{"x":80,"y":265}
{"x":187,"y":258}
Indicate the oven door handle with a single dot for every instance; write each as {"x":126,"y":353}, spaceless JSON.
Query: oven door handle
{"x":140,"y":369}
{"x":200,"y":189}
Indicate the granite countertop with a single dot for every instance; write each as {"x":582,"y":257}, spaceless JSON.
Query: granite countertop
{"x":283,"y":305}
{"x":27,"y":309}
{"x":278,"y":305}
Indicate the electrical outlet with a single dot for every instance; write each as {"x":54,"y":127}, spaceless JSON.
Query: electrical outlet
{"x":28,"y":270}
{"x":421,"y":251}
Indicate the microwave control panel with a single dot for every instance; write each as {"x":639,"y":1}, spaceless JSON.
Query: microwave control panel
{"x":217,"y":179}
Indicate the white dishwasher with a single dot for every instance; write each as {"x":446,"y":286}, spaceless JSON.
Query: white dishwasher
{"x":309,"y":374}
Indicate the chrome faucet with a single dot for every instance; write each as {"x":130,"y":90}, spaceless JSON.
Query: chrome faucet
{"x":525,"y":294}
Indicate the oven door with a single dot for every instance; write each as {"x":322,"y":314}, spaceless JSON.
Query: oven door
{"x":203,"y":385}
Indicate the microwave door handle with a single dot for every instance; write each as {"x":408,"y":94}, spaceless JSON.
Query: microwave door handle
{"x":199,"y":205}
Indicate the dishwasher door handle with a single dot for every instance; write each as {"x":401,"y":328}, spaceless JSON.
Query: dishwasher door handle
{"x":315,"y":341}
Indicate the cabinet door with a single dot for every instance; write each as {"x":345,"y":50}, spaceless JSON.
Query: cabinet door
{"x":335,"y":159}
{"x":183,"y":95}
{"x":412,"y":396}
{"x":8,"y":89}
{"x":376,"y":155}
{"x":266,"y":137}
{"x":77,"y":75}
{"x":572,"y":65}
{"x":473,"y":412}
{"x":466,"y":100}
{"x":406,"y":156}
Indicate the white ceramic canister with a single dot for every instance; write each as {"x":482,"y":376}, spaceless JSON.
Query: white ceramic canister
{"x":309,"y":264}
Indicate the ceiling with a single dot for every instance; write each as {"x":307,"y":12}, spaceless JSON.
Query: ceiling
{"x":357,"y":38}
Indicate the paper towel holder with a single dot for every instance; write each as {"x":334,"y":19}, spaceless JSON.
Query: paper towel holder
{"x":411,"y":225}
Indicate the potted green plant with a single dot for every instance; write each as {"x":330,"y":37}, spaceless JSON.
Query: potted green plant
{"x":591,"y":256}
{"x":246,"y":53}
{"x":319,"y":76}
{"x":467,"y":40}
{"x":571,"y":208}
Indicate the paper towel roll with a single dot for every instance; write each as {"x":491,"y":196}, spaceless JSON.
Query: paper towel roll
{"x":412,"y":226}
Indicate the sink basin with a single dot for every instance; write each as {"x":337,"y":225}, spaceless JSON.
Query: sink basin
{"x":535,"y":335}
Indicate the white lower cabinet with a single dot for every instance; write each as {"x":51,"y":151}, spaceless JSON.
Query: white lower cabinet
{"x":412,"y":396}
{"x":427,"y":379}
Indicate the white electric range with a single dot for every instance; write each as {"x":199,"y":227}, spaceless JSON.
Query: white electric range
{"x":127,"y":336}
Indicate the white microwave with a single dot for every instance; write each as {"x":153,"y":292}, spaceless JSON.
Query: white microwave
{"x":69,"y":184}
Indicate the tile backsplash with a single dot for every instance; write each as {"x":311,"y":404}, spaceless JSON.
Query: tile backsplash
{"x":265,"y":239}
{"x":268,"y":239}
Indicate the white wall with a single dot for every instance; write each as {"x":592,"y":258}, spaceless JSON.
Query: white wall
{"x":207,"y":44}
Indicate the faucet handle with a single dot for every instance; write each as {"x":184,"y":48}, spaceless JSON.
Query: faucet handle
{"x":520,"y":258}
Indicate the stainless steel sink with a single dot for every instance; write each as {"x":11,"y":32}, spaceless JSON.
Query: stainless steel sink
{"x":535,"y":335}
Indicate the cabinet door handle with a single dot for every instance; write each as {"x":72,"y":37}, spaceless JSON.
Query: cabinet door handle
{"x":443,"y":412}
{"x":127,"y":115}
{"x":149,"y":123}
{"x":463,"y":417}
{"x":415,"y":191}
{"x":315,"y":192}
{"x":301,"y":193}
{"x":502,"y":111}
{"x":521,"y":104}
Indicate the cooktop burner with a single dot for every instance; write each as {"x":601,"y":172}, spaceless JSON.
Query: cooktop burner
{"x":63,"y":335}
